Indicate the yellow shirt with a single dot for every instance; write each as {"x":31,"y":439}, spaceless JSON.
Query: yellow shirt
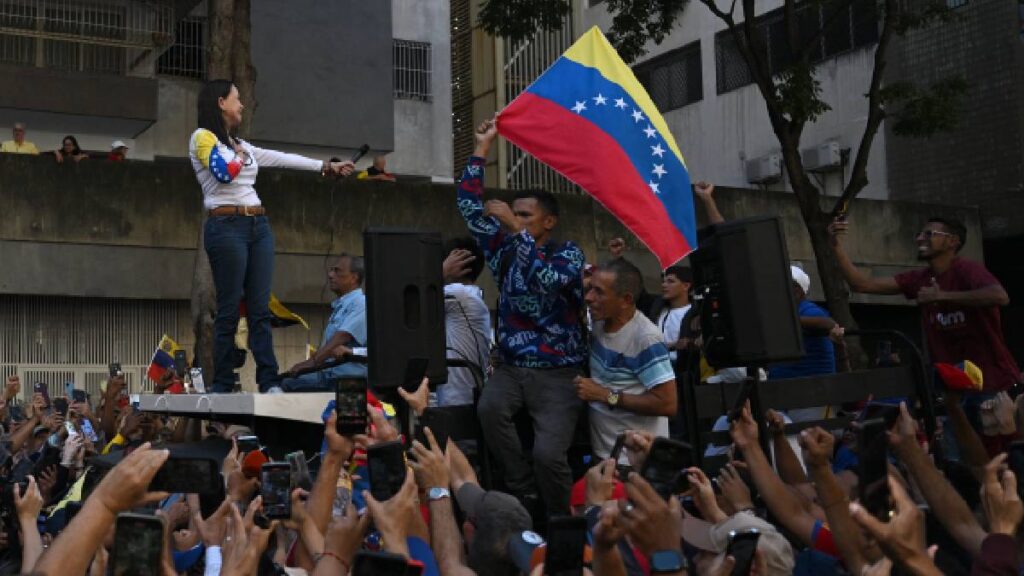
{"x":12,"y":147}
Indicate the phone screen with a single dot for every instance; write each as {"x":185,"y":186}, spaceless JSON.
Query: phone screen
{"x":873,"y":459}
{"x":441,"y":422}
{"x":567,"y":537}
{"x":300,"y":472}
{"x":180,"y":364}
{"x":196,"y":374}
{"x":275,"y":487}
{"x":187,"y":476}
{"x":386,"y":465}
{"x":741,"y":547}
{"x":664,"y":466}
{"x":79,"y":396}
{"x":115,"y":369}
{"x":138,"y":545}
{"x":350,"y":406}
{"x":741,"y":399}
{"x":247,"y":444}
{"x":616,"y":452}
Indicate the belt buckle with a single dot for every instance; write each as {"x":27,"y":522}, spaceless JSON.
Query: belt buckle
{"x":245,"y":210}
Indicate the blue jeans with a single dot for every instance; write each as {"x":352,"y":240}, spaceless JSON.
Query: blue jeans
{"x":241,"y":251}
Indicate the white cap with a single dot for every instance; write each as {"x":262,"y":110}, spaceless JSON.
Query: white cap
{"x":801,"y":278}
{"x":118,"y":144}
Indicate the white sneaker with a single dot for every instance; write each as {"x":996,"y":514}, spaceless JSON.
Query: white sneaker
{"x":274,"y":390}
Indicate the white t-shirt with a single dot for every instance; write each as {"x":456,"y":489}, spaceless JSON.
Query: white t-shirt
{"x":670,"y":320}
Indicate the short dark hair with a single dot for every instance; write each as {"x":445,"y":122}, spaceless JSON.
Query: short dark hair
{"x":356,"y":265}
{"x":546,"y":200}
{"x":208,"y":110}
{"x":954,"y":227}
{"x":471,"y":245}
{"x":682,"y":273}
{"x":628,"y":279}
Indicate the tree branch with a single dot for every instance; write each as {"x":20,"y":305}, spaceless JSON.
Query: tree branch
{"x":858,"y":175}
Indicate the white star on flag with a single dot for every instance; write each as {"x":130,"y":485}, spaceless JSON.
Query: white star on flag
{"x":659,"y":169}
{"x":620,"y":103}
{"x":600,"y":100}
{"x":650,"y":131}
{"x":579,"y":107}
{"x":658,"y":151}
{"x":654,"y":187}
{"x":637,"y":116}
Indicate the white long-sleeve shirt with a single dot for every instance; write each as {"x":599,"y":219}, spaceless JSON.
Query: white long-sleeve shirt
{"x":225,"y":179}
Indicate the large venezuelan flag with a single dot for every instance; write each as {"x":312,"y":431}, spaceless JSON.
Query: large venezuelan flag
{"x":590,"y":119}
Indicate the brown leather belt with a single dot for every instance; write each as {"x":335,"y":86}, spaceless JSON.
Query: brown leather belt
{"x":238,"y":211}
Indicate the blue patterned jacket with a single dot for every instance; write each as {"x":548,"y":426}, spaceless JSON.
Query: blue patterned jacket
{"x":540,"y":287}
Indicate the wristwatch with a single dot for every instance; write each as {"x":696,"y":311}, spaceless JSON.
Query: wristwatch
{"x":613,"y":398}
{"x":438,"y":493}
{"x":668,"y":562}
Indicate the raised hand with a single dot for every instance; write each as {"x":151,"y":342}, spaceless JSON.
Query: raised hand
{"x":902,"y":538}
{"x":419,"y":399}
{"x":430,"y":466}
{"x":1003,"y":506}
{"x":457,"y":264}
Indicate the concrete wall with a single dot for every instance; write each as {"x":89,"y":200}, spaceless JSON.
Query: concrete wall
{"x":69,"y":230}
{"x":980,"y":163}
{"x":720,"y":132}
{"x":423,"y":130}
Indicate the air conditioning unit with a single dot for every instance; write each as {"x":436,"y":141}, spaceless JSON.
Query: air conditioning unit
{"x":764,"y":170}
{"x":823,"y":158}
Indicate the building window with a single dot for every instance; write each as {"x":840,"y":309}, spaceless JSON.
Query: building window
{"x":731,"y":69}
{"x":855,"y":25}
{"x":412,"y":70}
{"x":673,"y":79}
{"x":188,"y":56}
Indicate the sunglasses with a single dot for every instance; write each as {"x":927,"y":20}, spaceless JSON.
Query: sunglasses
{"x":929,"y":234}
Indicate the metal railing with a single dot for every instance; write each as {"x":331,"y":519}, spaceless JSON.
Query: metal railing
{"x":525,"y":61}
{"x":412,"y":63}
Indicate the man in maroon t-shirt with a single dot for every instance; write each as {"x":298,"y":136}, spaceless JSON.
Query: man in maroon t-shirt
{"x":959,"y":301}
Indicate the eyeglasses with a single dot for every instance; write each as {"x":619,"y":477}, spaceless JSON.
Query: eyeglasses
{"x":928,"y":234}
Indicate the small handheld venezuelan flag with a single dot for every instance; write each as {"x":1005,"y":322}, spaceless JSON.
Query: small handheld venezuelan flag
{"x":589,"y":118}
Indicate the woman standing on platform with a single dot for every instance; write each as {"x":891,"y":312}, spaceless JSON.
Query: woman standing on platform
{"x":238,"y":238}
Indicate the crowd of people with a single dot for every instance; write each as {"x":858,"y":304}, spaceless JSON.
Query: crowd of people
{"x":576,"y":346}
{"x":69,"y":150}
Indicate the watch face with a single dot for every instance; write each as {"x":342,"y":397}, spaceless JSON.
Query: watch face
{"x":436,"y":493}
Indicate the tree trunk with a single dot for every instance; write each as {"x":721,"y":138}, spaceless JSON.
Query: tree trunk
{"x":204,"y":294}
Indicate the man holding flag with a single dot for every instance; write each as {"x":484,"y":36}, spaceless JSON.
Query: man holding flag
{"x":540,"y":340}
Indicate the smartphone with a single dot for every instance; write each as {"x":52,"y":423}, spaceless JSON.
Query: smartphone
{"x":69,"y":389}
{"x":620,"y":442}
{"x":138,"y":545}
{"x":688,"y":504}
{"x":741,"y":399}
{"x":567,"y":537}
{"x":889,"y":413}
{"x":247,"y":444}
{"x":196,"y":375}
{"x":71,"y":429}
{"x":300,"y":472}
{"x":665,"y":465}
{"x":367,"y":563}
{"x":742,"y":545}
{"x":79,"y":396}
{"x":350,"y":406}
{"x":60,"y":405}
{"x":873,"y":457}
{"x":441,"y":423}
{"x":276,"y":489}
{"x":42,"y":388}
{"x":385,"y":463}
{"x":115,"y":369}
{"x":1015,"y":460}
{"x":89,"y":431}
{"x":188,"y":476}
{"x":180,"y":364}
{"x":415,"y":370}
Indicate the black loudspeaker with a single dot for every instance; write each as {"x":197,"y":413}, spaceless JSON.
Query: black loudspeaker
{"x":404,"y":306}
{"x":743,"y":285}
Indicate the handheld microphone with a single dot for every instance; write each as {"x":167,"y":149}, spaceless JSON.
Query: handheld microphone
{"x":360,"y":153}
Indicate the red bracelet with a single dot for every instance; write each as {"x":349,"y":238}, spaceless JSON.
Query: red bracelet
{"x":336,"y":557}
